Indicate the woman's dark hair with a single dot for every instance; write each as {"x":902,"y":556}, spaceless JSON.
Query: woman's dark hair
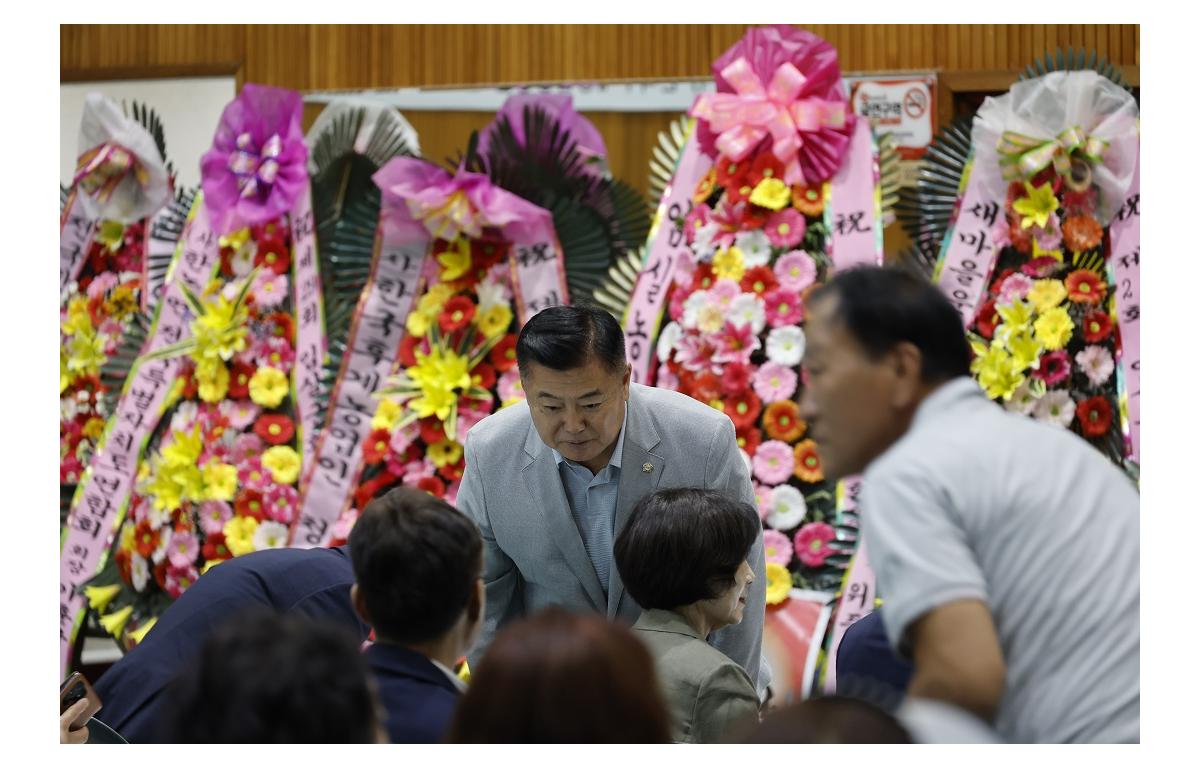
{"x":566,"y":337}
{"x":416,"y":560}
{"x":682,"y":545}
{"x":562,"y":678}
{"x":263,"y":677}
{"x":828,"y":720}
{"x":882,"y":306}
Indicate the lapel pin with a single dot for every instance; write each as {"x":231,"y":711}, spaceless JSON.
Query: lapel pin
{"x":647,"y":467}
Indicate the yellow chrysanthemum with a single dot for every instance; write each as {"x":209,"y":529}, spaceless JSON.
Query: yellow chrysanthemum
{"x":445,"y":452}
{"x":1046,"y":295}
{"x":283,"y":462}
{"x":387,"y":415}
{"x":772,"y":193}
{"x":268,"y":386}
{"x":455,"y":261}
{"x":220,"y":481}
{"x":495,"y":321}
{"x":99,"y":597}
{"x":184,"y":448}
{"x":121,"y":302}
{"x":93,"y":428}
{"x":440,"y":376}
{"x":779,"y":583}
{"x":239,"y":535}
{"x":212,"y":379}
{"x":728,"y":264}
{"x":1054,"y":328}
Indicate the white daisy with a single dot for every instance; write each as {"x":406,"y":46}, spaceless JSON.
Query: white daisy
{"x":139,"y":572}
{"x":1023,"y":400}
{"x":787,"y":508}
{"x":1096,"y":362}
{"x":748,"y":309}
{"x":666,"y":340}
{"x":270,"y":535}
{"x":755,"y":248}
{"x":785,"y":345}
{"x":1056,"y":408}
{"x":692,"y":306}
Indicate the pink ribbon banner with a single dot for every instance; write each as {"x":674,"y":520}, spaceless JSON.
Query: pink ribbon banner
{"x":371,"y":356}
{"x":968,"y":253}
{"x":1125,"y":244}
{"x":311,"y":344}
{"x":854,"y":218}
{"x":538,"y":275}
{"x":77,"y":229}
{"x":858,"y":587}
{"x":104,"y":491}
{"x":668,"y":247}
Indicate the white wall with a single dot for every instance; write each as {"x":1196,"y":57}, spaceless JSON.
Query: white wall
{"x":189,"y":108}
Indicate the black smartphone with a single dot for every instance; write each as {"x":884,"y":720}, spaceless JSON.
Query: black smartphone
{"x":74,"y":688}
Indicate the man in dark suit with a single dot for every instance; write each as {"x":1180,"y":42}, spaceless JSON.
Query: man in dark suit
{"x":313,"y":582}
{"x":418,"y":567}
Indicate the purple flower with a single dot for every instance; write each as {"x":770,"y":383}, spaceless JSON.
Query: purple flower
{"x":257,"y":166}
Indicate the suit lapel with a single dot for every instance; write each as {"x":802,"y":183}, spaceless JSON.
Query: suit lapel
{"x":640,"y":441}
{"x":545,"y":486}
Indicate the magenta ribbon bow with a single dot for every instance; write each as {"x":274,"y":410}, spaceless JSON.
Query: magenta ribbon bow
{"x":254,"y":168}
{"x":99,"y":170}
{"x":742,"y":119}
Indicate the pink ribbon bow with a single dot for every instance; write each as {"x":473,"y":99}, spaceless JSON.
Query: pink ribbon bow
{"x":99,"y":170}
{"x":742,"y":119}
{"x":254,"y":168}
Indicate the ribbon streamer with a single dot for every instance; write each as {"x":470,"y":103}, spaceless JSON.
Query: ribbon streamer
{"x":99,"y":170}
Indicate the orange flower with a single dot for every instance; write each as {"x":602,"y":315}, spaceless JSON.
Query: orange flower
{"x":1082,"y":233}
{"x":1085,"y":287}
{"x":705,"y":188}
{"x":782,"y":421}
{"x":808,"y":462}
{"x":808,"y":200}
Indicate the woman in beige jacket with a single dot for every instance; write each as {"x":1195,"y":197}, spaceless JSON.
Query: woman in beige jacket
{"x":682,"y":557}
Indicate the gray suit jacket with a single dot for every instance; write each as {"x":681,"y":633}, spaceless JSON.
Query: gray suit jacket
{"x":705,"y":691}
{"x":533,"y":552}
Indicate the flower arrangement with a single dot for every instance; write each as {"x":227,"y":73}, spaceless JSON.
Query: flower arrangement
{"x":459,"y":362}
{"x":1044,"y":338}
{"x":220,"y":476}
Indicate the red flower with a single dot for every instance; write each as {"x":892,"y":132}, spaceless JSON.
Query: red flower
{"x":145,"y":539}
{"x":705,"y":387}
{"x":1097,"y":326}
{"x":1085,"y":287}
{"x":275,"y":428}
{"x":1082,"y":232}
{"x":759,"y":280}
{"x":453,"y":471}
{"x":214,"y":547}
{"x":456,"y":314}
{"x":368,"y":490}
{"x":483,"y":375}
{"x":1095,"y":416}
{"x":744,"y":409}
{"x":487,"y":252}
{"x":250,"y":504}
{"x":808,"y":462}
{"x":765,"y":166}
{"x":273,"y":254}
{"x":999,"y":280}
{"x":782,"y":421}
{"x":1042,"y":266}
{"x":504,"y":355}
{"x":735,"y":379}
{"x":703,"y":278}
{"x":432,"y":430}
{"x":731,"y":173}
{"x":375,"y":447}
{"x":987,"y":319}
{"x":752,"y":216}
{"x":160,"y":574}
{"x":281,"y":326}
{"x":433,"y":486}
{"x":408,"y":348}
{"x":748,"y":439}
{"x":239,"y":381}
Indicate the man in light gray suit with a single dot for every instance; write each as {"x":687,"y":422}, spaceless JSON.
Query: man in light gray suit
{"x":551,"y":482}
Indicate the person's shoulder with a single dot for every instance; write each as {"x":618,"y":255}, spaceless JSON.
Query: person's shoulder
{"x":676,"y":409}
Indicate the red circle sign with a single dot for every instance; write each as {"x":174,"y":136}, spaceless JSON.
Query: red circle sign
{"x":915,"y":102}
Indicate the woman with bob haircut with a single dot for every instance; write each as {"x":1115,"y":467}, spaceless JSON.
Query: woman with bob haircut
{"x":682,"y":557}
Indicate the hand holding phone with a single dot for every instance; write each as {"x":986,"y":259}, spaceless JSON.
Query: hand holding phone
{"x":74,"y":689}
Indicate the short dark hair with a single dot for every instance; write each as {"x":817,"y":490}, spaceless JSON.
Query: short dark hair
{"x":882,"y":306}
{"x":566,"y":337}
{"x":827,"y":720}
{"x":563,"y":678}
{"x":263,"y":677}
{"x":682,"y":545}
{"x":416,"y":560}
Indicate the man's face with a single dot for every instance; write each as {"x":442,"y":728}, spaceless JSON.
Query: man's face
{"x":578,"y":412}
{"x":855,"y":406}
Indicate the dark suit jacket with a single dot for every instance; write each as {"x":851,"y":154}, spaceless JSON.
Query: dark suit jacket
{"x":418,"y":696}
{"x":314,"y":582}
{"x":866,"y":657}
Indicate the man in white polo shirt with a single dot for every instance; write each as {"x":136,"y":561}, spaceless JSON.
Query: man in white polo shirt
{"x":1006,"y":550}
